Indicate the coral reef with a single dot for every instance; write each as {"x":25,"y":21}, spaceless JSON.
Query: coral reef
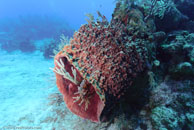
{"x":178,"y":12}
{"x":185,"y":7}
{"x":171,"y":104}
{"x":48,"y":48}
{"x":107,"y":58}
{"x":179,"y":48}
{"x":129,"y":72}
{"x":24,"y":45}
{"x":180,"y":17}
{"x":21,"y":33}
{"x":53,"y":46}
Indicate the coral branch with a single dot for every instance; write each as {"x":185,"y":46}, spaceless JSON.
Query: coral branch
{"x":61,"y":70}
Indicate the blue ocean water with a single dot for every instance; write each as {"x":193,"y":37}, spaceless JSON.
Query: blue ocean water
{"x":32,"y":32}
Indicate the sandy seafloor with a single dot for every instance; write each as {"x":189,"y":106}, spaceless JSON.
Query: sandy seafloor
{"x":27,"y":91}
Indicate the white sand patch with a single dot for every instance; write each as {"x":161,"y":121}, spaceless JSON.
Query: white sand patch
{"x":25,"y":85}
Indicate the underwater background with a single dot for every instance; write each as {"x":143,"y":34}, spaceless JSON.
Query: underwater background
{"x":97,"y":65}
